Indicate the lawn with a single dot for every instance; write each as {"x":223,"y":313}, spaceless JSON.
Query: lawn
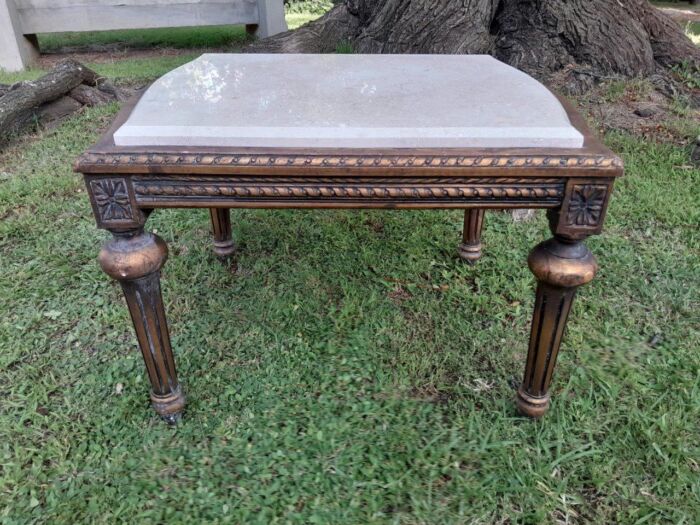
{"x":678,"y":4}
{"x":692,"y":29}
{"x":352,"y":369}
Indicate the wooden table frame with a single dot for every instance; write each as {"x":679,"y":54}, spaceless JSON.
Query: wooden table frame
{"x":126,"y":183}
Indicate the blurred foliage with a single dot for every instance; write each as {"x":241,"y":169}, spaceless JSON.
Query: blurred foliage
{"x":317,"y":7}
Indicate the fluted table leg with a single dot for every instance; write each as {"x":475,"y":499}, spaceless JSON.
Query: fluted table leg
{"x":470,"y":249}
{"x":135,"y":258}
{"x":560,"y":266}
{"x":224,"y":246}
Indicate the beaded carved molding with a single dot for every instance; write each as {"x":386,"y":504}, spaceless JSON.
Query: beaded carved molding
{"x":93,"y":161}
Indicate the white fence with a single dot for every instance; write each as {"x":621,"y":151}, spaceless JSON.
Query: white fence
{"x":20,"y":20}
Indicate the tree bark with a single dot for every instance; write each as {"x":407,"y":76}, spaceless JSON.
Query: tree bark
{"x":596,"y":38}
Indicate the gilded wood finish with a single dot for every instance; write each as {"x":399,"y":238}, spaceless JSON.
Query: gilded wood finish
{"x":125,"y":184}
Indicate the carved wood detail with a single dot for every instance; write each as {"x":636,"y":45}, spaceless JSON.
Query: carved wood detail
{"x":582,"y":210}
{"x":382,"y":161}
{"x":113,"y":202}
{"x":135,"y":260}
{"x":112,"y":199}
{"x":586,"y":205}
{"x":348,"y":181}
{"x":221,"y":228}
{"x":545,"y":192}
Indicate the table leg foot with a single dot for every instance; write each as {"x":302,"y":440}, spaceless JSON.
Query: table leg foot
{"x":534,"y":407}
{"x":560,"y":266}
{"x":470,"y":249}
{"x":224,"y":246}
{"x":170,"y":406}
{"x":134,"y":258}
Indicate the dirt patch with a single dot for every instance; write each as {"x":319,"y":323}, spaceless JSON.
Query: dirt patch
{"x":109,"y":54}
{"x":399,"y":294}
{"x":664,"y":106}
{"x":640,"y":109}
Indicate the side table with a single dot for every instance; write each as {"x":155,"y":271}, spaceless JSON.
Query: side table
{"x":349,"y":131}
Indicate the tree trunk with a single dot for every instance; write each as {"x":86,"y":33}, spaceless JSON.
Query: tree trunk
{"x":591,"y":38}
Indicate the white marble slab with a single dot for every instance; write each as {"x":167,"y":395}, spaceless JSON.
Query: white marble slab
{"x":354,"y":101}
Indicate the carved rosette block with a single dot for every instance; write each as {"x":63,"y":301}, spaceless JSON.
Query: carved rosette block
{"x":583,"y":209}
{"x":470,"y":249}
{"x":586,"y":205}
{"x":224,"y":246}
{"x":560,"y":267}
{"x":113,"y":203}
{"x":112,"y":199}
{"x":134,"y":259}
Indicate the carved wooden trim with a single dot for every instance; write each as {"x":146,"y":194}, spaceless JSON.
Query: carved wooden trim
{"x":350,"y":180}
{"x":94,"y":160}
{"x":113,"y":202}
{"x":154,"y":191}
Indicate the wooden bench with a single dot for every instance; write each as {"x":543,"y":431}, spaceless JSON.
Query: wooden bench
{"x":21,"y":20}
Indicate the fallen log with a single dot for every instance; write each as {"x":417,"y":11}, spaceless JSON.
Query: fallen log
{"x":24,"y":102}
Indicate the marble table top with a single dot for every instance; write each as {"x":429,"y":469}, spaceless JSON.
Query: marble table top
{"x":348,"y":101}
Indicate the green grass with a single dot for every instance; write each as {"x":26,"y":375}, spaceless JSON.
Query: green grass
{"x":132,"y":70}
{"x":179,"y":37}
{"x":315,"y":7}
{"x":692,"y":29}
{"x":352,"y":370}
{"x":617,"y":90}
{"x":678,"y":4}
{"x":295,"y":20}
{"x":344,"y":48}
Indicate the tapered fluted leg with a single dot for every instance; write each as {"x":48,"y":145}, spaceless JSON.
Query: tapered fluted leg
{"x":134,"y":259}
{"x":560,"y":266}
{"x":470,"y":249}
{"x":221,"y":227}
